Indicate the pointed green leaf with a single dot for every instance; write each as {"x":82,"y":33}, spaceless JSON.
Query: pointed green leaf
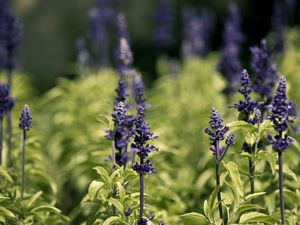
{"x":255,"y":217}
{"x":234,"y":174}
{"x":241,"y":125}
{"x":103,"y":174}
{"x":117,"y":204}
{"x":113,"y":220}
{"x":194,"y":218}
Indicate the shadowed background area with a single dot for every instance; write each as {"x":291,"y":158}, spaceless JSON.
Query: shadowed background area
{"x":51,"y":29}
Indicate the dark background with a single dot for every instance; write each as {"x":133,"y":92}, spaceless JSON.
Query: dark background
{"x":51,"y":28}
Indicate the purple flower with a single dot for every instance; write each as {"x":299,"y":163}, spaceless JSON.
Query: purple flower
{"x":265,"y":71}
{"x":280,"y":118}
{"x":6,"y":102}
{"x":121,"y":92}
{"x":164,"y":20}
{"x":118,"y":116}
{"x":25,"y":119}
{"x":230,"y":139}
{"x":11,"y":39}
{"x":229,"y":65}
{"x":217,"y":134}
{"x":246,"y":106}
{"x":197,"y":31}
{"x":142,"y":135}
{"x":138,"y":90}
{"x":123,"y":53}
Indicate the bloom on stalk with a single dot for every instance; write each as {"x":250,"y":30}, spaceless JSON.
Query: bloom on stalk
{"x":217,"y":134}
{"x":123,"y":53}
{"x":6,"y":102}
{"x":280,"y":118}
{"x":25,"y":119}
{"x":247,"y":106}
{"x":265,"y":71}
{"x":142,"y":135}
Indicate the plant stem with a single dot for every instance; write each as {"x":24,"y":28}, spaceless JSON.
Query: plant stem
{"x":141,"y":192}
{"x":23,"y":163}
{"x":113,"y":148}
{"x":281,"y":198}
{"x":1,"y":138}
{"x":251,"y":174}
{"x":9,"y":138}
{"x":219,"y":193}
{"x":218,"y":180}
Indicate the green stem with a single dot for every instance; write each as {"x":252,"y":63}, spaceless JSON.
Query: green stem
{"x":23,"y":163}
{"x":141,"y":192}
{"x":281,"y":198}
{"x":9,"y":139}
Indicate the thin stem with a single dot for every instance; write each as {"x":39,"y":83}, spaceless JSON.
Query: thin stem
{"x":218,"y":181}
{"x":1,"y":138}
{"x":141,"y":192}
{"x":23,"y":163}
{"x":113,"y":147}
{"x":251,"y":176}
{"x":281,"y":198}
{"x":9,"y":138}
{"x":219,"y":193}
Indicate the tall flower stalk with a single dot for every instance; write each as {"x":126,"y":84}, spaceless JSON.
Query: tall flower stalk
{"x":217,"y":134}
{"x":142,"y":135}
{"x":6,"y":103}
{"x":25,"y":125}
{"x":280,"y":142}
{"x":249,"y":113}
{"x":11,"y":39}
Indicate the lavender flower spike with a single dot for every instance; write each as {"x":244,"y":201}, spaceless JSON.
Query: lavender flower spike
{"x":25,"y":119}
{"x":142,"y":135}
{"x":281,"y":141}
{"x":25,"y":125}
{"x":123,"y":53}
{"x":217,"y":134}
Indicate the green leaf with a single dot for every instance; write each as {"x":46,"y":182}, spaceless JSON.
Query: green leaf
{"x":246,"y":207}
{"x":211,"y":200}
{"x":254,"y":217}
{"x":46,"y":208}
{"x":269,"y":157}
{"x":289,"y":173}
{"x":264,"y":127}
{"x":234,"y":175}
{"x":5,"y":175}
{"x":94,"y":187}
{"x":103,"y":174}
{"x":241,"y":125}
{"x":34,"y":198}
{"x":7,"y":212}
{"x":255,"y":195}
{"x":113,"y":220}
{"x":194,"y":218}
{"x":251,"y":138}
{"x":121,"y":191}
{"x":129,"y":175}
{"x":117,"y":204}
{"x":247,"y":155}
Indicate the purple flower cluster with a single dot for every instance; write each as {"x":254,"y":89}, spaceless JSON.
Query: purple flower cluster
{"x":217,"y":134}
{"x":265,"y":71}
{"x":123,"y":124}
{"x":25,"y":119}
{"x":142,"y":135}
{"x":138,"y":90}
{"x":6,"y":101}
{"x":229,"y":65}
{"x":164,"y":20}
{"x":247,"y":106}
{"x":10,"y":36}
{"x":280,"y":118}
{"x":197,"y":31}
{"x":123,"y":53}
